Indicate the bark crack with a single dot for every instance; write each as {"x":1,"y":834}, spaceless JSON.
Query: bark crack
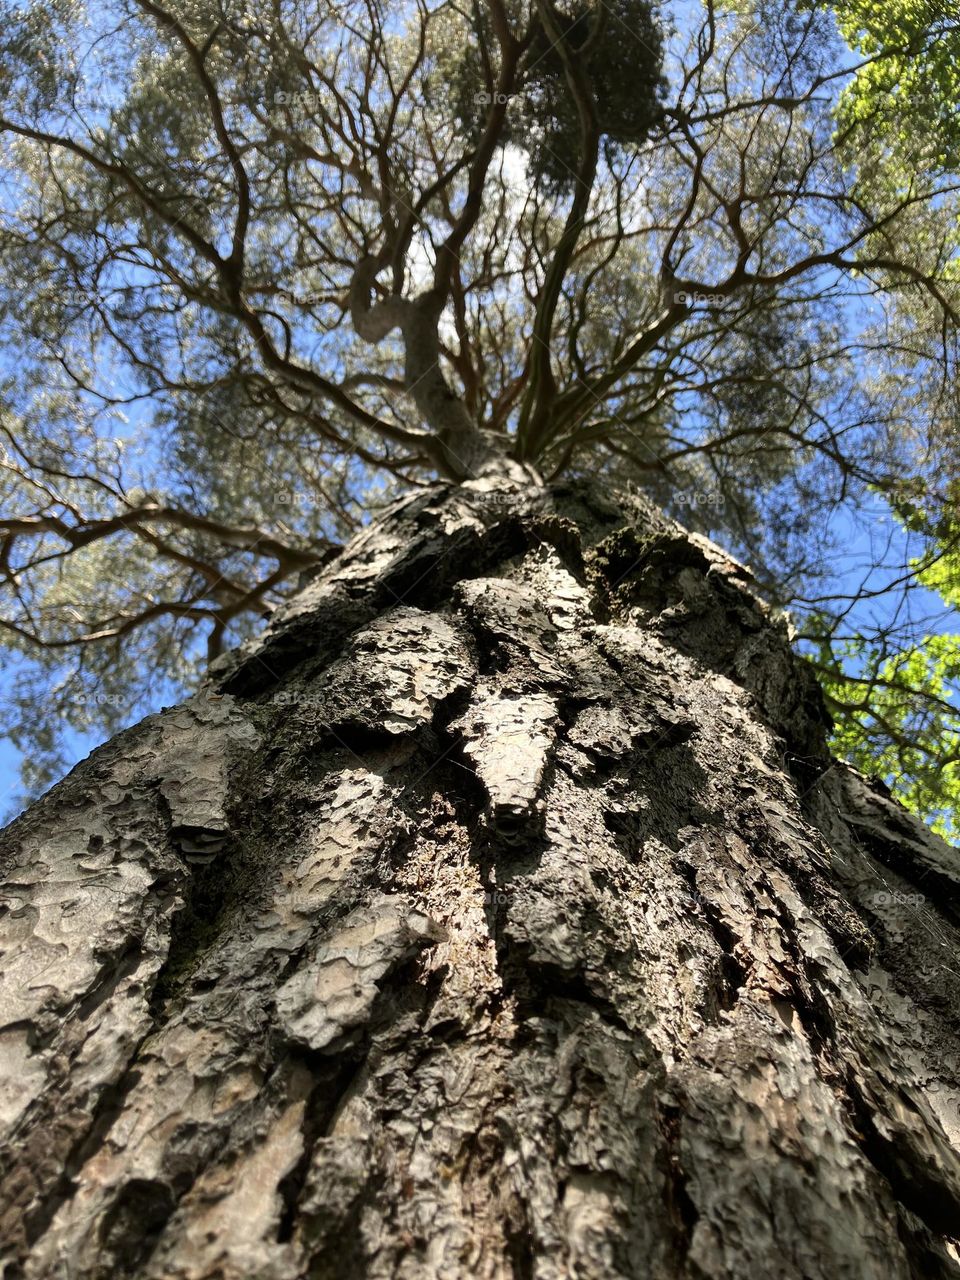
{"x":681,"y":1211}
{"x":915,"y":1186}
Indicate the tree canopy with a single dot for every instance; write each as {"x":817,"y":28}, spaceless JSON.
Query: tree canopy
{"x":264,"y":267}
{"x":906,"y":89}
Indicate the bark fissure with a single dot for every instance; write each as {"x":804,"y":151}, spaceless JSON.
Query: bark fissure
{"x":680,"y":1208}
{"x":332,"y":1083}
{"x":916,"y":1187}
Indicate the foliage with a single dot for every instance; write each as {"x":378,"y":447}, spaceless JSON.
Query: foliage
{"x":896,"y":706}
{"x":618,"y":45}
{"x":621,"y":49}
{"x":907,"y":89}
{"x":894,"y":719}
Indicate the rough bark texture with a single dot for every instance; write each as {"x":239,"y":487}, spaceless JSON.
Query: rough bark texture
{"x":499,"y":914}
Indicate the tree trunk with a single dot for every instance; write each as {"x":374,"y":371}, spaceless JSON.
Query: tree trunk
{"x":500,"y":913}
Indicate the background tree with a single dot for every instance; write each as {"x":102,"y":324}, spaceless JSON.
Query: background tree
{"x":263,"y":270}
{"x":497,"y":907}
{"x":890,"y":678}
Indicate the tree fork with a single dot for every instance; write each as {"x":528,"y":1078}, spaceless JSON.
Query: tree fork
{"x":499,"y":912}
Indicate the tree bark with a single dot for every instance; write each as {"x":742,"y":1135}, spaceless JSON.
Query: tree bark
{"x":499,"y":913}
